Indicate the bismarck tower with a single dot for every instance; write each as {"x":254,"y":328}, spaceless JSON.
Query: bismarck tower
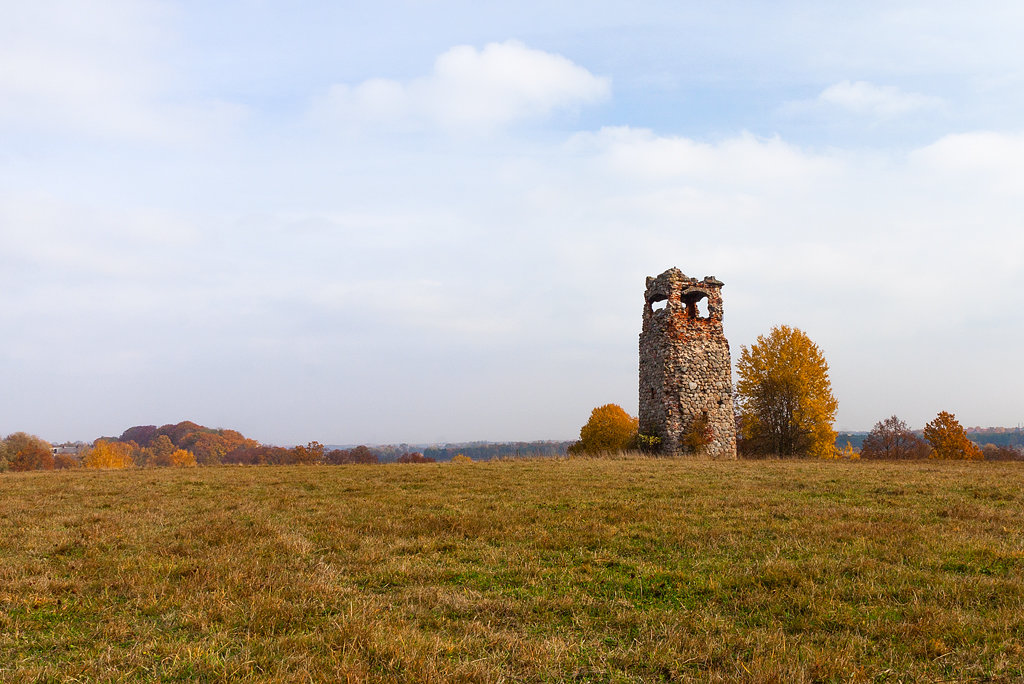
{"x":685,"y":367}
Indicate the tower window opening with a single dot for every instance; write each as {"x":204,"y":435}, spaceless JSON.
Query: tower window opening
{"x":659,"y":303}
{"x":696,"y":303}
{"x":702,"y":308}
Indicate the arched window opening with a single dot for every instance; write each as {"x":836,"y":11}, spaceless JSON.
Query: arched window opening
{"x":702,"y":308}
{"x":658,"y":303}
{"x":696,"y":303}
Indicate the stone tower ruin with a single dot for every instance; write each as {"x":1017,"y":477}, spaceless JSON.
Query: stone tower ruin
{"x":685,"y":367}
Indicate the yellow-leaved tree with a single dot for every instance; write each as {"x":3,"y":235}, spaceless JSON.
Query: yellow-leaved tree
{"x":104,"y":454}
{"x":610,"y":428}
{"x":182,"y":458}
{"x":784,"y":396}
{"x":949,"y":439}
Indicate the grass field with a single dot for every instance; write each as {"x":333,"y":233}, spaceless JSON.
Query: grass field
{"x":541,"y":570}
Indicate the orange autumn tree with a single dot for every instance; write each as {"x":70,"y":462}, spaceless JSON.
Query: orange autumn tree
{"x":610,"y":428}
{"x":949,"y":439}
{"x":106,"y":454}
{"x":22,"y":451}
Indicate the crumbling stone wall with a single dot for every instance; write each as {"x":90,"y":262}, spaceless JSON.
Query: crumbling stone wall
{"x":685,"y":366}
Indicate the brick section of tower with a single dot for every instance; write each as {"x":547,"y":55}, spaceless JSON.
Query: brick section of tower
{"x":685,"y":366}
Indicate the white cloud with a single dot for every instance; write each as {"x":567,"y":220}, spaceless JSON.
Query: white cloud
{"x":864,"y":98}
{"x":470,"y":89}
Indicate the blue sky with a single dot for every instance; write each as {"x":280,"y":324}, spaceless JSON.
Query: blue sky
{"x":432,"y":221}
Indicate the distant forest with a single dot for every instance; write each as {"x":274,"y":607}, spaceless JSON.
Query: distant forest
{"x":478,"y":451}
{"x":1005,"y":437}
{"x":484,"y":451}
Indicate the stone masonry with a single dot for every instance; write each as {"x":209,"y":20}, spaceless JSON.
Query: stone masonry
{"x":685,"y":367}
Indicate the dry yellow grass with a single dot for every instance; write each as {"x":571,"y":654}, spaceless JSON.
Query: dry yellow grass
{"x":543,"y":570}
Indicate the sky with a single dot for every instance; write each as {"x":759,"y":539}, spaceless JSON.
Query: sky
{"x":431,"y":221}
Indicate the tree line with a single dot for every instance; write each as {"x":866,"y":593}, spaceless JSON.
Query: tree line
{"x":188,"y":444}
{"x":184,"y":444}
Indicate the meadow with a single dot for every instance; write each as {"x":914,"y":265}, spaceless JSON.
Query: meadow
{"x":517,"y":571}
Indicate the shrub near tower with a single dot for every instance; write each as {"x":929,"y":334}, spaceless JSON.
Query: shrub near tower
{"x":610,"y":428}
